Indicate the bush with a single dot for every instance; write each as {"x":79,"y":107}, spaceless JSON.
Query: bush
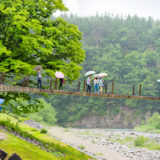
{"x":81,"y":147}
{"x":43,"y":131}
{"x":152,"y":125}
{"x":140,"y":141}
{"x":46,"y":115}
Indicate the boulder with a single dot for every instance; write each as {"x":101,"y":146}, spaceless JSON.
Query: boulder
{"x":14,"y":157}
{"x":3,"y":155}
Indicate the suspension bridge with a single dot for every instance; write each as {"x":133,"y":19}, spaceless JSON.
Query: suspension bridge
{"x":26,"y":89}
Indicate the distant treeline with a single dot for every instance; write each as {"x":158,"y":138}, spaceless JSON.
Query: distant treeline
{"x":128,"y":49}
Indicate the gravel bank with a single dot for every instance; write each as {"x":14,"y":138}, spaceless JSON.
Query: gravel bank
{"x":103,"y":142}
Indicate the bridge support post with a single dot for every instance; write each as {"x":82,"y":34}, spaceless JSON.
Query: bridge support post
{"x":27,"y":81}
{"x":78,"y":85}
{"x":2,"y":78}
{"x":55,"y":84}
{"x":112,"y":87}
{"x":133,"y":91}
{"x":50,"y":84}
{"x":84,"y":87}
{"x":106,"y":88}
{"x":140,"y":89}
{"x":24,"y":81}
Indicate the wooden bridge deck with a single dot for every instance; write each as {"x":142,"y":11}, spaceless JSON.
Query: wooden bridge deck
{"x":7,"y":88}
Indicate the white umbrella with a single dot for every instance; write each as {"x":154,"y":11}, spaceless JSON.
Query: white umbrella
{"x":89,"y":73}
{"x":158,"y":80}
{"x":103,"y":74}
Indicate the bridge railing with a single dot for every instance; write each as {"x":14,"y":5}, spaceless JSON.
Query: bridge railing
{"x":110,"y":87}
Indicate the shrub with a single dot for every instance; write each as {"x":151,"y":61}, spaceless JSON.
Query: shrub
{"x":81,"y":147}
{"x":43,"y":131}
{"x":46,"y":115}
{"x":140,"y":141}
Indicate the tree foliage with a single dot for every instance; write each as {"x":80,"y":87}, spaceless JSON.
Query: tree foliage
{"x":28,"y":37}
{"x":45,"y":115}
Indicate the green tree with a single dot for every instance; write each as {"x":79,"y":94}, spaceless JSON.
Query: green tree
{"x":28,"y":37}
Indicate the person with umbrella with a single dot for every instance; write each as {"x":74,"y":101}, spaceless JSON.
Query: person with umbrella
{"x":60,"y":75}
{"x":89,"y":83}
{"x":39,"y":81}
{"x":96,"y":84}
{"x":61,"y":80}
{"x":101,"y":75}
{"x":89,"y":73}
{"x":101,"y":84}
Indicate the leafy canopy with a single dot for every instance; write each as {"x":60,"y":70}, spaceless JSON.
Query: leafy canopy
{"x":29,"y":37}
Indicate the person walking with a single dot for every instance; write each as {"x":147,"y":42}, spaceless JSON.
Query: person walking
{"x":96,"y":85}
{"x":61,"y":83}
{"x":89,"y":83}
{"x":101,"y":84}
{"x":39,"y":81}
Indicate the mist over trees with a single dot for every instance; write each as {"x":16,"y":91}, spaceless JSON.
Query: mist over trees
{"x":125,"y":48}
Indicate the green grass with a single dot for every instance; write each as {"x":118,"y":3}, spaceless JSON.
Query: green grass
{"x":140,"y":141}
{"x":146,"y":128}
{"x":152,"y":146}
{"x":144,"y":142}
{"x":50,"y":143}
{"x":25,"y":150}
{"x":125,"y":140}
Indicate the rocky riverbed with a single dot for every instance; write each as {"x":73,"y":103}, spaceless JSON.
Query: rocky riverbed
{"x":109,"y":144}
{"x":121,"y":141}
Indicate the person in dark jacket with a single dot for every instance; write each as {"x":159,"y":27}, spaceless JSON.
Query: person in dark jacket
{"x":39,"y":81}
{"x":61,"y":83}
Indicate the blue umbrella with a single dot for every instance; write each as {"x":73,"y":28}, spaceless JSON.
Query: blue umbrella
{"x":1,"y":100}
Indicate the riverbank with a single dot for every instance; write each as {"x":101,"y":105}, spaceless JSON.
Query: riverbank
{"x":109,"y":144}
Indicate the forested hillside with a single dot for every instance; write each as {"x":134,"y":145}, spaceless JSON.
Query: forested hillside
{"x":125,"y":48}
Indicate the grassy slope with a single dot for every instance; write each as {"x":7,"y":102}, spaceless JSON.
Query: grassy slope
{"x":56,"y":146}
{"x":25,"y":150}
